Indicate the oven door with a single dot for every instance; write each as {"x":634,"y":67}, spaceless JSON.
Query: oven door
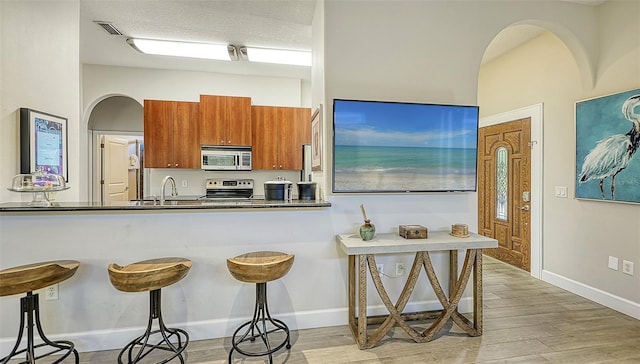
{"x":219,"y":160}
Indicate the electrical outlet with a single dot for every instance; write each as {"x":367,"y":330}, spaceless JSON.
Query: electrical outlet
{"x":51,"y":292}
{"x":613,"y":263}
{"x":184,"y":183}
{"x":380,"y":268}
{"x":627,"y":267}
{"x":399,"y":269}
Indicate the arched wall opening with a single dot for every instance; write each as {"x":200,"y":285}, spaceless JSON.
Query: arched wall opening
{"x":122,"y":117}
{"x":501,"y":56}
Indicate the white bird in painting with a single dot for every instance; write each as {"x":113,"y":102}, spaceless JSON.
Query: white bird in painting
{"x":612,"y":155}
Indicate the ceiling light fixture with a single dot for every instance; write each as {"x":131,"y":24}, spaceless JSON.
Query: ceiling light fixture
{"x":280,"y":56}
{"x":184,"y":49}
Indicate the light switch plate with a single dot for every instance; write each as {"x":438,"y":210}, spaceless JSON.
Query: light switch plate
{"x":613,"y":263}
{"x":561,"y":191}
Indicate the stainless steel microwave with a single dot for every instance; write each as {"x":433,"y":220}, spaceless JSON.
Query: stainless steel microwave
{"x":220,"y":158}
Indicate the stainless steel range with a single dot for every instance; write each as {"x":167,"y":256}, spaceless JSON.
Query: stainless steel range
{"x":227,"y":188}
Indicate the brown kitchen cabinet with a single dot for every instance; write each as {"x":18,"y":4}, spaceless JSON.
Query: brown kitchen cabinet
{"x":171,"y":137}
{"x":278,"y":136}
{"x":225,"y":120}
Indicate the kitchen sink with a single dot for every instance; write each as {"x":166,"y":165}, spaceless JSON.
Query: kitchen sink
{"x":166,"y":203}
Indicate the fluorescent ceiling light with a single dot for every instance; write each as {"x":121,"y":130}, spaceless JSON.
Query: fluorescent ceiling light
{"x":185,"y":49}
{"x":280,"y":56}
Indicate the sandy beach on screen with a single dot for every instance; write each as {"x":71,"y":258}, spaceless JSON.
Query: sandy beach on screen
{"x":359,"y":181}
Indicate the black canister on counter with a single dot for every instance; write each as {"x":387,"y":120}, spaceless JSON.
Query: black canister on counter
{"x":307,"y":191}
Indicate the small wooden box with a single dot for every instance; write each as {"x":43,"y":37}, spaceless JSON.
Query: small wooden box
{"x":413,"y":231}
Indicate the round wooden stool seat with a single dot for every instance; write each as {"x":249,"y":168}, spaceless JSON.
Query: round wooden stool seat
{"x":260,"y":267}
{"x":26,"y":279}
{"x":31,"y":277}
{"x":148,"y":275}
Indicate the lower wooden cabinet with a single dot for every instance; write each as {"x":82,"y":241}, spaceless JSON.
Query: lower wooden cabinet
{"x":278,"y":136}
{"x":171,"y":134}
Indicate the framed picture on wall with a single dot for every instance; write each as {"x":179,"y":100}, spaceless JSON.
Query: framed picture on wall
{"x":316,"y":140}
{"x":43,"y":143}
{"x":607,"y":140}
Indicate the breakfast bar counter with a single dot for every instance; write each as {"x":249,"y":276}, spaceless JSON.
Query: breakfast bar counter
{"x":150,"y":205}
{"x":362,"y":253}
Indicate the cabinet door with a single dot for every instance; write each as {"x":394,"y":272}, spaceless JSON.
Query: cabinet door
{"x":212,"y":120}
{"x":225,"y":120}
{"x":238,"y":121}
{"x":159,"y":119}
{"x":278,"y":135}
{"x":186,"y":138}
{"x":264,"y":121}
{"x":295,"y":131}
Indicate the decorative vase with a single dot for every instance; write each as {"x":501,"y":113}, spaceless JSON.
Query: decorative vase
{"x":367,"y":230}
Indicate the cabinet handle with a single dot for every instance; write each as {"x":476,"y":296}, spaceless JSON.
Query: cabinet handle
{"x":177,"y":164}
{"x":273,"y":166}
{"x":228,"y":141}
{"x":222,"y":142}
{"x":168,"y":165}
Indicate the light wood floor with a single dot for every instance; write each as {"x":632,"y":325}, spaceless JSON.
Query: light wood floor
{"x":526,"y":321}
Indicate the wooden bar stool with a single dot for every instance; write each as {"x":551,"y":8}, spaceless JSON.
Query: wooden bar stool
{"x":26,"y":279}
{"x":260,"y":268}
{"x":152,"y":275}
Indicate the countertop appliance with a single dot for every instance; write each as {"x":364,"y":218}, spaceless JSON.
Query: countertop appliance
{"x":278,"y":189}
{"x":307,"y":190}
{"x":220,"y":158}
{"x":227,"y":188}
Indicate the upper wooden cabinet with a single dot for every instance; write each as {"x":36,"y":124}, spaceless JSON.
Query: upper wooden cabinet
{"x":278,"y":135}
{"x":171,"y":138}
{"x":225,"y":120}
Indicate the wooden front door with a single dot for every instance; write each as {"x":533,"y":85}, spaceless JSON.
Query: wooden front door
{"x":504,"y":180}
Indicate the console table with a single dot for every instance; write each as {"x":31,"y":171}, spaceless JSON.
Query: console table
{"x":362,"y":253}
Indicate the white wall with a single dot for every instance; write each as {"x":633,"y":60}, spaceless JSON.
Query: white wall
{"x":40,"y":52}
{"x":143,"y":83}
{"x":578,"y":235}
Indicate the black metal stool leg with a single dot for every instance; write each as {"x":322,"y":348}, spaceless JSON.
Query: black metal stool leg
{"x":30,"y":307}
{"x":258,"y":324}
{"x":142,"y":344}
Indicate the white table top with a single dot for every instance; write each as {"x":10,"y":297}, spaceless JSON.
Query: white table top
{"x":383,"y":243}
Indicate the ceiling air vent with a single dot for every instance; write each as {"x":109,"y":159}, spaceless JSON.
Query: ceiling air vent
{"x":108,"y":27}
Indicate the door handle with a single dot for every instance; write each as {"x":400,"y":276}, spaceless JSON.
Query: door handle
{"x":525,"y":208}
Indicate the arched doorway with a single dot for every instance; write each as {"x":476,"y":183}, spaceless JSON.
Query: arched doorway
{"x":512,"y":45}
{"x":116,"y":148}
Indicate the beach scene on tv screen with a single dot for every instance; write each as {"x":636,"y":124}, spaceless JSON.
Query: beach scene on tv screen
{"x":389,"y":147}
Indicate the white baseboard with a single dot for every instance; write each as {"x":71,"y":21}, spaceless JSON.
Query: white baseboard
{"x":211,"y":329}
{"x":614,"y":302}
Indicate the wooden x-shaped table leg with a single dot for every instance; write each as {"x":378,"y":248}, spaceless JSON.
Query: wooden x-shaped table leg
{"x":473,"y":259}
{"x":450,"y":305}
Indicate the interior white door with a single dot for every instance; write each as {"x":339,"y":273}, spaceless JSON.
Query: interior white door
{"x":115,"y":169}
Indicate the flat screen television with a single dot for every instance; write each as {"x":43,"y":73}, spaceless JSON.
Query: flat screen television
{"x":381,"y":146}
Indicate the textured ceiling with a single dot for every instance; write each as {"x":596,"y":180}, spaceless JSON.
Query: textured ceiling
{"x":261,"y":23}
{"x":276,"y":24}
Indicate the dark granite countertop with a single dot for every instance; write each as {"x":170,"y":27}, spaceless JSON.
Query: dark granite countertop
{"x":168,"y":205}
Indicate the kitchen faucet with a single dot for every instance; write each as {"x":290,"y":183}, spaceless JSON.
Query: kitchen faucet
{"x":163,"y":184}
